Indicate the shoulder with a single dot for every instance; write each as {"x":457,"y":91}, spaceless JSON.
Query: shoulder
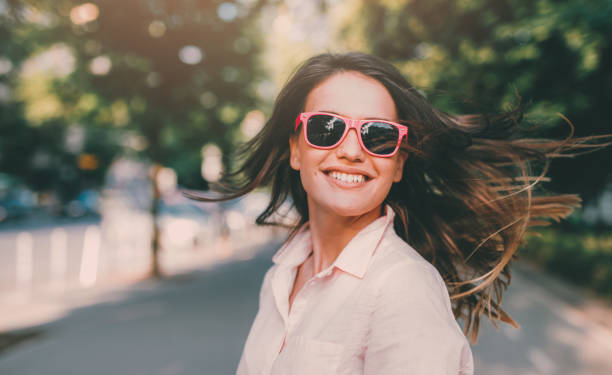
{"x":412,"y":325}
{"x":395,"y":259}
{"x":401,"y":276}
{"x":392,"y":248}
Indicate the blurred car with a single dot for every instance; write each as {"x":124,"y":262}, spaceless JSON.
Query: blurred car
{"x":244,"y":211}
{"x":183,"y":225}
{"x":85,"y":204}
{"x":16,"y":201}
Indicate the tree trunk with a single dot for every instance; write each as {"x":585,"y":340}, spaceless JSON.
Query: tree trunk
{"x":155,"y":243}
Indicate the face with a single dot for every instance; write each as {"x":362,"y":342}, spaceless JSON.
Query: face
{"x":346,"y":180}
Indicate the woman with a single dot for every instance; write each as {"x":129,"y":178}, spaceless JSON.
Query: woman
{"x":396,"y":202}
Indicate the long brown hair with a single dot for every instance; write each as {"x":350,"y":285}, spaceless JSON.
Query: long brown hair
{"x":468,"y":192}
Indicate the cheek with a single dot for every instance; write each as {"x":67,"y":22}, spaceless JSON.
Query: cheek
{"x":309,"y":162}
{"x":391,"y":170}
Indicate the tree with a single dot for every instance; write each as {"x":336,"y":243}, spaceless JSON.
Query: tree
{"x":177,"y":74}
{"x":557,"y":55}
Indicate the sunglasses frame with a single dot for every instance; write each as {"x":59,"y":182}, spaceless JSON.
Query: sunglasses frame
{"x":350,"y":124}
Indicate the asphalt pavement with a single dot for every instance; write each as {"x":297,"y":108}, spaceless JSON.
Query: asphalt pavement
{"x":196,"y":323}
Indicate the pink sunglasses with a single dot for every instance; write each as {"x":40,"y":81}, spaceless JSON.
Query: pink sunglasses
{"x":326,"y":130}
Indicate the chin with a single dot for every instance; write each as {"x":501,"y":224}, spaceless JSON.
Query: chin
{"x":350,"y":208}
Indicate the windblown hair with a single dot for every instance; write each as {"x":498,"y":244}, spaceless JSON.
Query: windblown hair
{"x":468,"y":192}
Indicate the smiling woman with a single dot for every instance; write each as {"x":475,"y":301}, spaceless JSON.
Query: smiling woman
{"x":399,"y":204}
{"x":338,"y":179}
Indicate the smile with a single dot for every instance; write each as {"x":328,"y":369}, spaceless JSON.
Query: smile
{"x":348,"y":178}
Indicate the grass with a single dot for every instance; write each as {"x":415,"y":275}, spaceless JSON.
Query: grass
{"x":583,"y":258}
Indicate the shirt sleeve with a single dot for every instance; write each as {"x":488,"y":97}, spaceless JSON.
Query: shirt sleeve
{"x":412,"y":329}
{"x":243,"y":364}
{"x":265,"y":284}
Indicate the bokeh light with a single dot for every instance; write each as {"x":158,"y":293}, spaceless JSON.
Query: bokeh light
{"x":57,"y":61}
{"x":211,"y":163}
{"x":84,"y":13}
{"x":230,"y":74}
{"x":157,"y":29}
{"x":191,"y":54}
{"x":5,"y":65}
{"x":153,"y":79}
{"x":253,"y":122}
{"x":208,"y":100}
{"x":74,"y":139}
{"x":166,"y":180}
{"x":100,"y":65}
{"x":227,"y":11}
{"x":87,"y":162}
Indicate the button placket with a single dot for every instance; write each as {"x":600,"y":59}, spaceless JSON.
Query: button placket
{"x":300,"y":301}
{"x":298,"y":305}
{"x":295,"y":313}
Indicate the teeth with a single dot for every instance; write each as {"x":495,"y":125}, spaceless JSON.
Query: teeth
{"x":350,"y":178}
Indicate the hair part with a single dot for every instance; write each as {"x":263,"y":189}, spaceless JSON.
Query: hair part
{"x":468,"y":192}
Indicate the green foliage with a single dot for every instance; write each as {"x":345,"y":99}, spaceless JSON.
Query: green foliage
{"x":176,"y":72}
{"x":556,"y":54}
{"x":584,"y":258}
{"x":40,"y":157}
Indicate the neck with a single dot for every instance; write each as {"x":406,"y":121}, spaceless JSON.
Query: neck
{"x":330,"y":233}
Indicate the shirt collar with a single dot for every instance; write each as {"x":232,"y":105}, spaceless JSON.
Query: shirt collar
{"x":353,"y":259}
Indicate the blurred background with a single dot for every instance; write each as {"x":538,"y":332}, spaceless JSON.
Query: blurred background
{"x":110,"y":109}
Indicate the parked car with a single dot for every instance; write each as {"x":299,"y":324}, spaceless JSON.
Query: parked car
{"x":16,"y":200}
{"x":85,"y":204}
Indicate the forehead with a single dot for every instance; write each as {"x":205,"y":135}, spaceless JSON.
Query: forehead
{"x":354,"y":95}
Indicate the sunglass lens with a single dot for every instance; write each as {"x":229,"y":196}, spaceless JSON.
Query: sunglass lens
{"x":379,"y":138}
{"x":324,"y":130}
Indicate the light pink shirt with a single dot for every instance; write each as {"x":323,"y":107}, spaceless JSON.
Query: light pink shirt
{"x":380,"y":308}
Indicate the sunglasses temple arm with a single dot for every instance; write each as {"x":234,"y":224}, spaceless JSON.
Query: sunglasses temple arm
{"x":298,"y":120}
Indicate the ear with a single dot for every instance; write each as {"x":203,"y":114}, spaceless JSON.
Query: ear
{"x":399,"y":171}
{"x":294,"y":153}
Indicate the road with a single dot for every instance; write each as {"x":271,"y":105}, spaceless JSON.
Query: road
{"x":561,"y":330}
{"x":196,"y":324}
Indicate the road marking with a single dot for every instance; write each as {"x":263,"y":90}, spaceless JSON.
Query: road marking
{"x":59,"y":255}
{"x":91,"y":255}
{"x":24,"y":259}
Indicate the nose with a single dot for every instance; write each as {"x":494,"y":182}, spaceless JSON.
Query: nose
{"x":350,"y":148}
